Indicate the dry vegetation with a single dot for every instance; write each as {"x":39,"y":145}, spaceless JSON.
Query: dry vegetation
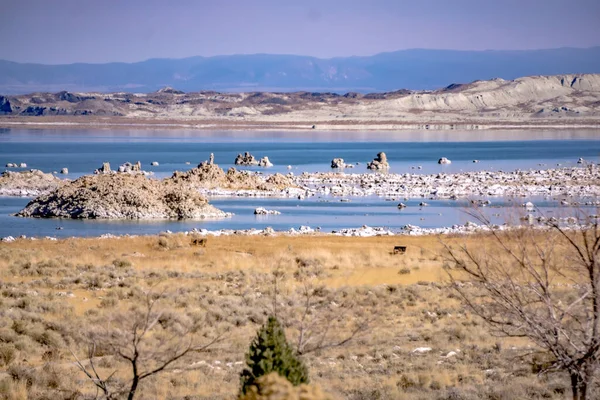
{"x":54,"y":295}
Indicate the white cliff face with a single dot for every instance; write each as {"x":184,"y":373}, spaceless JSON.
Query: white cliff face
{"x":499,"y":93}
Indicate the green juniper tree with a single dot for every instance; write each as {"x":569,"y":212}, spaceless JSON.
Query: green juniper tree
{"x":270,"y":352}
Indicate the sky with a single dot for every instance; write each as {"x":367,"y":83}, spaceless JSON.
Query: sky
{"x":99,"y":31}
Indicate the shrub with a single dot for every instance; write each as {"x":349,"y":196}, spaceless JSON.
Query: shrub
{"x":163,"y":243}
{"x":8,"y":353}
{"x":270,"y":352}
{"x":122,"y":263}
{"x":272,"y":386}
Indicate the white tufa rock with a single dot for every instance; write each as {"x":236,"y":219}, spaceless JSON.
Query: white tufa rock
{"x":64,"y":171}
{"x":154,"y":163}
{"x":264,"y":211}
{"x":379,"y":163}
{"x":264,"y":162}
{"x":338,"y":163}
{"x":421,"y":350}
{"x":444,"y":160}
{"x":529,"y":205}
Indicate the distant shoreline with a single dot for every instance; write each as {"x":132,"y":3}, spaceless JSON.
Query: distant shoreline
{"x":346,"y":125}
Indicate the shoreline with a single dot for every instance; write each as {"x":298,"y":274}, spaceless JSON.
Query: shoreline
{"x":466,"y":229}
{"x":335,"y":125}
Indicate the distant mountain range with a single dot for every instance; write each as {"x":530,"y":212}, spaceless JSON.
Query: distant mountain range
{"x":416,"y":69}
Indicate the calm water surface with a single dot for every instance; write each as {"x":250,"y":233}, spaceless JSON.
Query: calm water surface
{"x":82,"y":151}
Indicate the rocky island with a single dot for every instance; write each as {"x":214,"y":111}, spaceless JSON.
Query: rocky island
{"x":210,"y":176}
{"x":121,"y":196}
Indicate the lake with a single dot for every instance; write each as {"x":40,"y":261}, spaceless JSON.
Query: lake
{"x":82,"y":151}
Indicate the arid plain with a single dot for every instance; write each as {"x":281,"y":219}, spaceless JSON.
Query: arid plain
{"x":411,"y":337}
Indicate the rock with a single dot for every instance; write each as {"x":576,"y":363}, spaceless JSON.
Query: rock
{"x":444,"y":160}
{"x":5,"y":107}
{"x":421,"y":350}
{"x":289,"y":167}
{"x":338,"y":163}
{"x":247,"y":160}
{"x":121,"y":196}
{"x":154,"y":163}
{"x":33,"y":111}
{"x":104,"y":169}
{"x":129,"y":168}
{"x":364,"y":231}
{"x":22,"y":165}
{"x":475,"y":161}
{"x":10,"y":165}
{"x":8,"y":239}
{"x":27,"y":183}
{"x":64,"y":171}
{"x":423,"y":204}
{"x":481,"y":203}
{"x":401,"y":206}
{"x":264,"y":162}
{"x":263,"y":211}
{"x":529,"y":205}
{"x":276,"y":181}
{"x":211,"y":159}
{"x":580,"y":161}
{"x":306,"y":229}
{"x":379,"y":163}
{"x":207,"y":176}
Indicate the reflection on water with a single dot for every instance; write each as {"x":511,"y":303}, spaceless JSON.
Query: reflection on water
{"x":219,"y":136}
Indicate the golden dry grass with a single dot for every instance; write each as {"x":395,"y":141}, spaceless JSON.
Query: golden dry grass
{"x":230,"y":281}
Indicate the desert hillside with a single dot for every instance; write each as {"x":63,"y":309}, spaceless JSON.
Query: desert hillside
{"x":536,"y":100}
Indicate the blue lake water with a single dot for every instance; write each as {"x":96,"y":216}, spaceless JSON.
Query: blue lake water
{"x":82,"y":151}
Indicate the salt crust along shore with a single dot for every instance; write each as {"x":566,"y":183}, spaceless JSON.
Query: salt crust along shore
{"x":569,"y":182}
{"x":580,"y":182}
{"x":364,"y":231}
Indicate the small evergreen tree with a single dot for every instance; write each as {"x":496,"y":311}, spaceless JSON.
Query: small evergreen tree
{"x":270,"y":352}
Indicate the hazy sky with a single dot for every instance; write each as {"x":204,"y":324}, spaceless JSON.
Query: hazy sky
{"x":66,"y":31}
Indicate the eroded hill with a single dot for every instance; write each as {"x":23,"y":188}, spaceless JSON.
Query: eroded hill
{"x":559,"y":99}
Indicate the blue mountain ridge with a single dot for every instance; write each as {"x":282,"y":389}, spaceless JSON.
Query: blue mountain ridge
{"x":416,"y":69}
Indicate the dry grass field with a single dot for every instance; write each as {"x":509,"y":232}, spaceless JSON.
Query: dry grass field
{"x":54,"y":295}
